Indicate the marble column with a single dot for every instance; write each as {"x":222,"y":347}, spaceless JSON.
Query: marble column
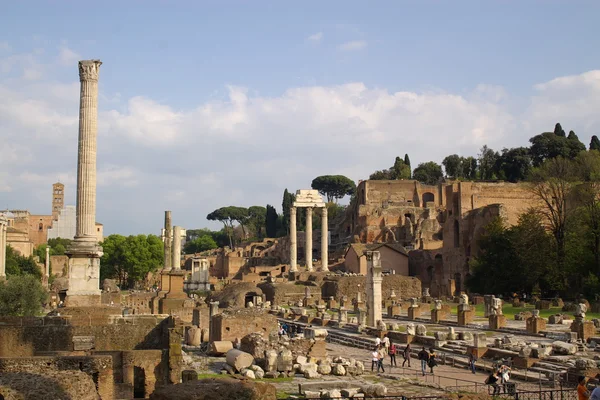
{"x":167,"y":246}
{"x":3,"y":226}
{"x":176,"y":264}
{"x":84,"y":252}
{"x":86,"y":162}
{"x":308,"y":243}
{"x":374,"y":293}
{"x":293,"y":241}
{"x":324,"y":240}
{"x":47,"y":263}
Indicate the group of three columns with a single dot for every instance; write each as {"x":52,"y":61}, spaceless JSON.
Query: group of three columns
{"x":308,"y":248}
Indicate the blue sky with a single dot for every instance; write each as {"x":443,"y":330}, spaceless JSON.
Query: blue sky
{"x":204,"y":104}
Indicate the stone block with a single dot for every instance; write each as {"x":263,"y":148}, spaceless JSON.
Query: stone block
{"x":465,"y":317}
{"x":189,"y":375}
{"x":193,"y":337}
{"x":535,"y":325}
{"x":497,"y":321}
{"x":584,"y":329}
{"x":421,"y":330}
{"x":285,"y":360}
{"x":315,"y":333}
{"x":437,"y":316}
{"x":564,"y":348}
{"x":543,"y":305}
{"x":219,"y":347}
{"x":555,"y":319}
{"x":414,"y":313}
{"x":239,"y":359}
{"x":393,"y":310}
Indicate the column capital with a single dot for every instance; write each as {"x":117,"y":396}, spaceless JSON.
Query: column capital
{"x":89,"y":69}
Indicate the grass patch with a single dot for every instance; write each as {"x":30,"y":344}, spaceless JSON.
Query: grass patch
{"x":210,"y":376}
{"x":510,"y":311}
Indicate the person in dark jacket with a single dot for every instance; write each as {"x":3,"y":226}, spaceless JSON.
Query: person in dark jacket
{"x":424,"y":357}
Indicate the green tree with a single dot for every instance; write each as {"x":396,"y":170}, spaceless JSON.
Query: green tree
{"x":286,"y":205}
{"x":271,"y":221}
{"x":130,"y":259}
{"x":334,"y":186}
{"x":429,"y":173}
{"x":257,"y":219}
{"x":407,"y":162}
{"x":559,"y":131}
{"x":469,"y":166}
{"x":595,"y":143}
{"x":17,"y":264}
{"x":554,"y":144}
{"x":400,"y":170}
{"x":574,"y":144}
{"x":383,"y":175}
{"x":453,"y":166}
{"x":486,"y":163}
{"x":193,"y":234}
{"x":513,"y":164}
{"x":200,"y":244}
{"x":553,"y":183}
{"x":229,"y":215}
{"x":22,"y":296}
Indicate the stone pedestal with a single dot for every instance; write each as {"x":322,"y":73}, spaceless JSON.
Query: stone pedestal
{"x":176,"y":285}
{"x":584,"y":329}
{"x":465,"y":317}
{"x":437,"y":316}
{"x":478,"y":352}
{"x":84,"y":275}
{"x":535,"y":324}
{"x":497,"y":321}
{"x":393,"y":310}
{"x":414,"y":313}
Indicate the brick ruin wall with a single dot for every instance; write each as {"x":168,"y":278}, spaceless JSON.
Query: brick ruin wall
{"x":235,"y":324}
{"x":405,"y":287}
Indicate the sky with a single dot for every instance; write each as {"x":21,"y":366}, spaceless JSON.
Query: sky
{"x":204,"y":104}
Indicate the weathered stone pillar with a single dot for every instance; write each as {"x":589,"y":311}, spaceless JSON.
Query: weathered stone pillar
{"x":293,"y":241}
{"x":176,"y":248}
{"x":167,"y":246}
{"x":324,"y":240}
{"x":3,"y":226}
{"x":84,"y":252}
{"x":374,"y":295}
{"x":47,"y":263}
{"x":308,"y":243}
{"x":86,"y":162}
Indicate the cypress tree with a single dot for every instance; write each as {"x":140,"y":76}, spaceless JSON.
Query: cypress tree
{"x":595,"y":143}
{"x":407,"y":162}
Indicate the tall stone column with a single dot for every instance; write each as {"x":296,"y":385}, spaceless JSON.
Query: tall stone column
{"x":176,"y":248}
{"x":168,"y":231}
{"x":293,"y":241}
{"x":86,"y":161}
{"x":308,"y":242}
{"x":324,"y":240}
{"x":84,"y":252}
{"x":3,"y":226}
{"x":374,"y":294}
{"x":47,"y":263}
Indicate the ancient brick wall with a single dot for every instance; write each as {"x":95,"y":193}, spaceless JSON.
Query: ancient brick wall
{"x":26,"y":337}
{"x":38,"y":228}
{"x":282,"y":293}
{"x":404,"y":286}
{"x":99,"y":368}
{"x":235,"y":324}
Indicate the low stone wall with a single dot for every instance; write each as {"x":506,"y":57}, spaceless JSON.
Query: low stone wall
{"x":405,"y":287}
{"x":280,"y":294}
{"x":236,"y":324}
{"x":39,"y":369}
{"x":29,"y":336}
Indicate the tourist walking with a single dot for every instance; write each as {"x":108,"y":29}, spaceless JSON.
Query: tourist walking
{"x":392,"y":354}
{"x":386,"y":343}
{"x":406,"y":355}
{"x":424,"y":357}
{"x":472,"y":360}
{"x":374,"y":359}
{"x":492,"y":380}
{"x":582,"y":392}
{"x":381,"y":357}
{"x":432,"y":362}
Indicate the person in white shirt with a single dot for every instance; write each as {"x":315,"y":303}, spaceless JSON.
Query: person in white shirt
{"x":386,"y":343}
{"x":377,"y":341}
{"x":374,"y":359}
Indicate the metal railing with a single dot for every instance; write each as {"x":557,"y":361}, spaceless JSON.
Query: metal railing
{"x":558,"y":394}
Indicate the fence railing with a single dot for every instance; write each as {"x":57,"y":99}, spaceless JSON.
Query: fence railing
{"x":558,"y":394}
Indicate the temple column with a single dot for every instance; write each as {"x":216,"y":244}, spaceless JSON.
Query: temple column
{"x":324,"y":240}
{"x":86,"y":162}
{"x":176,"y":264}
{"x":47,"y":263}
{"x":308,"y":242}
{"x":167,"y":246}
{"x":3,"y":225}
{"x":293,"y":241}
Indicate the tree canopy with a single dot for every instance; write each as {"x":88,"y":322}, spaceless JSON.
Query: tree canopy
{"x":229,"y":215}
{"x":429,"y":173}
{"x":400,"y":170}
{"x":22,"y":296}
{"x":334,"y":186}
{"x":17,"y":264}
{"x":129,"y":259}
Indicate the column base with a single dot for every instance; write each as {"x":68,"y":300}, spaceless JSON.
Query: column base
{"x":84,"y":273}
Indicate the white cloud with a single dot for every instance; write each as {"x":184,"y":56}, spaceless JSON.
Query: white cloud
{"x":353,"y":45}
{"x":67,"y":56}
{"x":246,"y":148}
{"x":316,"y":37}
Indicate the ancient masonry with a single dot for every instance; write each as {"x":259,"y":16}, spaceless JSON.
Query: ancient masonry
{"x":3,"y":226}
{"x":84,"y":252}
{"x":308,"y":199}
{"x":374,"y":295}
